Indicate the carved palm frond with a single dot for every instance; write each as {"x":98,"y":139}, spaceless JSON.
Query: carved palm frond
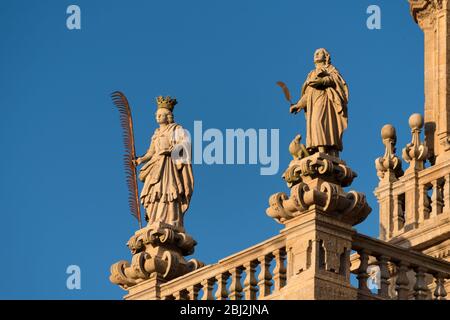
{"x":121,"y":102}
{"x":286,"y":92}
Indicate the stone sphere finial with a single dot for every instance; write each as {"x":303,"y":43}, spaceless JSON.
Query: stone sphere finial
{"x":389,"y":166}
{"x":416,"y":121}
{"x":388,"y":132}
{"x":416,"y":152}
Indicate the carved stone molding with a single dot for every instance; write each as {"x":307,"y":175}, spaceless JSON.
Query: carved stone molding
{"x":422,"y":9}
{"x":317,"y":181}
{"x":157,"y":250}
{"x":329,"y":168}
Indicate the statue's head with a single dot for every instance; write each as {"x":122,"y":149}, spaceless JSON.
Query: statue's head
{"x":164,"y":113}
{"x":322,"y":56}
{"x":163,"y":116}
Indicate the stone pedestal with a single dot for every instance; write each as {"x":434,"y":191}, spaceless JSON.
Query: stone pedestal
{"x":318,"y":250}
{"x":318,"y":217}
{"x":158,"y":252}
{"x":318,"y":180}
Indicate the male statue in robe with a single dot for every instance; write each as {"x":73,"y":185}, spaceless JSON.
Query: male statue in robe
{"x":324,"y":98}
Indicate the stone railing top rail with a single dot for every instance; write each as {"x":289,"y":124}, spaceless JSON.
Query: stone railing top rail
{"x":375,"y":247}
{"x":426,"y":175}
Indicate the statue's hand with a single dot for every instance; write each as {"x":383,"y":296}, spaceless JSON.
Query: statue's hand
{"x":294,"y":109}
{"x":137,"y":161}
{"x":316,"y":82}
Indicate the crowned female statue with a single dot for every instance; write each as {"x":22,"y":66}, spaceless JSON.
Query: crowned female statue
{"x":324,"y":99}
{"x":167,"y":170}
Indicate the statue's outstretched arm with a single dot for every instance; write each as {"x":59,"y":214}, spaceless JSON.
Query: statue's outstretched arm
{"x":301,"y":104}
{"x":147,"y":156}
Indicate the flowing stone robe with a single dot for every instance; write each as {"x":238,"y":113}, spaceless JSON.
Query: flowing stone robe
{"x":168,"y":182}
{"x":325,"y":109}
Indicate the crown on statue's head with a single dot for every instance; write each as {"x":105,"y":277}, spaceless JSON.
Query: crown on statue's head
{"x":166,"y":102}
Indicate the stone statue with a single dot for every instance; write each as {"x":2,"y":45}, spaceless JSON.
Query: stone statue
{"x":168,"y":181}
{"x":324,"y":99}
{"x":158,"y":249}
{"x":316,"y":176}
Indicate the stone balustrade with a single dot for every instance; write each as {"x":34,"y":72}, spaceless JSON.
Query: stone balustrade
{"x":415,"y":204}
{"x":255,"y":273}
{"x":266,"y":271}
{"x":414,"y":200}
{"x":402,"y":273}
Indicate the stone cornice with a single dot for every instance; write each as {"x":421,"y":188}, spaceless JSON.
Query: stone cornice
{"x":422,"y":8}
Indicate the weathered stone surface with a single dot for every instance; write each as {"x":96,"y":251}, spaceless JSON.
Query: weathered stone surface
{"x":318,"y":181}
{"x":158,"y":251}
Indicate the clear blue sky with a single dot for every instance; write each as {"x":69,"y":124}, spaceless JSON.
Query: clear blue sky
{"x":62,"y":189}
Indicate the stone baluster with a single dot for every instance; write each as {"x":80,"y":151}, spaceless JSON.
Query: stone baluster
{"x":437,"y":198}
{"x":208,"y":287}
{"x":434,"y":199}
{"x":362,"y":271}
{"x":424,"y":204}
{"x":440,"y":293}
{"x":402,"y":283}
{"x":177,"y":296}
{"x":265,"y":277}
{"x":420,"y":287}
{"x":446,"y":192}
{"x":250,"y":282}
{"x":193,"y":291}
{"x":279,"y":273}
{"x":399,"y":214}
{"x":235,"y":286}
{"x":222,"y":293}
{"x":440,"y":196}
{"x":385,"y":275}
{"x":181,"y":295}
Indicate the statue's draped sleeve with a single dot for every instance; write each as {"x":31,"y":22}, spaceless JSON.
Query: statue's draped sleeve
{"x":339,"y":92}
{"x":184,"y":167}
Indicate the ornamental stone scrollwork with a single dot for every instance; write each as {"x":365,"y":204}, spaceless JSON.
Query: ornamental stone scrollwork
{"x":422,"y":9}
{"x":389,"y":166}
{"x":158,"y":249}
{"x":318,"y":180}
{"x":318,"y":165}
{"x":416,"y":152}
